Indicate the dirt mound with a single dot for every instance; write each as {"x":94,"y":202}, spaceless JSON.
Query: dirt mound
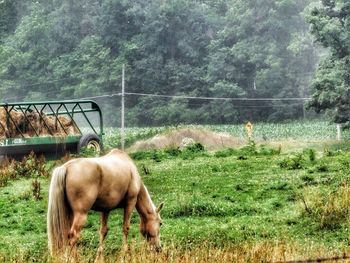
{"x":180,"y":137}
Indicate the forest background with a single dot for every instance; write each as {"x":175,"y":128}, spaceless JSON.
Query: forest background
{"x":64,"y":49}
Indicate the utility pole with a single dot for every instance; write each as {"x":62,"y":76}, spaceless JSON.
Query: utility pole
{"x":338,"y":132}
{"x":122,"y":130}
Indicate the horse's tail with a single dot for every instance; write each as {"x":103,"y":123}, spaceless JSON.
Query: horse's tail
{"x":59,"y":213}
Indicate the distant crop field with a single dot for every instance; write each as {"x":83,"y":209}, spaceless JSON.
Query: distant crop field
{"x":299,"y":130}
{"x":254,"y":204}
{"x":302,"y":131}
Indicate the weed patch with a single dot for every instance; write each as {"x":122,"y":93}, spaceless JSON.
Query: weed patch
{"x":251,"y":149}
{"x":29,"y":167}
{"x":224,"y":207}
{"x":293,"y":162}
{"x":188,"y":153}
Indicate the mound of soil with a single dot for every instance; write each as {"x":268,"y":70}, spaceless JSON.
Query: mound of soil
{"x":176,"y":138}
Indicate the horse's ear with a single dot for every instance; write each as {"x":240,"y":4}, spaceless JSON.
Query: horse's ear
{"x":160,"y":207}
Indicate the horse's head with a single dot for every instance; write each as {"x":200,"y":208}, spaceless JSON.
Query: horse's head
{"x":150,"y":229}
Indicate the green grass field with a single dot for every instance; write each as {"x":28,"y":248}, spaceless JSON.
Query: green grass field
{"x":244,"y":205}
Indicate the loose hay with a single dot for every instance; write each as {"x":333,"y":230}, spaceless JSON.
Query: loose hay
{"x":175,"y":138}
{"x":18,"y":124}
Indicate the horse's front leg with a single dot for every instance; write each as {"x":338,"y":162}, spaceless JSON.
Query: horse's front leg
{"x":103,"y":233}
{"x":130,"y":204}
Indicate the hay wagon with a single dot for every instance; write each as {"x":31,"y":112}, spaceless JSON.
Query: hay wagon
{"x":50,"y":128}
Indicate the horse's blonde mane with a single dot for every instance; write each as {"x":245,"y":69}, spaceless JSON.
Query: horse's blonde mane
{"x":144,"y":204}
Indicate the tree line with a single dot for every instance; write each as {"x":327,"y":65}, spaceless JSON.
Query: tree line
{"x":65,"y":49}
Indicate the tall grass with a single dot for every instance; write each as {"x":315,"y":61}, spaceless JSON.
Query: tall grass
{"x":265,"y":251}
{"x":328,"y":208}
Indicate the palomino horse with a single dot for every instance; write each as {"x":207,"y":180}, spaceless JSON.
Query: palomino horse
{"x":101,"y":184}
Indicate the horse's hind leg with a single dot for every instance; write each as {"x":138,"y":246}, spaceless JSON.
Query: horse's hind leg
{"x":103,"y":233}
{"x":79,"y":220}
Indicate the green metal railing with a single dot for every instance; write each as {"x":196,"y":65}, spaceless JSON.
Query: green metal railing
{"x":51,"y":108}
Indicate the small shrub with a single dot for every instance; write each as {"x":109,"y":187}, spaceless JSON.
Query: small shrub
{"x":238,"y":187}
{"x":157,"y":156}
{"x":277,"y":204}
{"x":145,"y":169}
{"x":36,"y":189}
{"x":195,"y":148}
{"x":322,"y":168}
{"x":293,"y":162}
{"x":26,"y":195}
{"x":264,"y":150}
{"x":172,"y":151}
{"x":142,"y":155}
{"x":193,"y":151}
{"x":224,"y":153}
{"x":249,"y":149}
{"x":190,"y":152}
{"x":200,"y":208}
{"x":328,"y":152}
{"x":280,"y":186}
{"x":311,"y":153}
{"x":308,"y":179}
{"x":3,"y":178}
{"x":87,"y":152}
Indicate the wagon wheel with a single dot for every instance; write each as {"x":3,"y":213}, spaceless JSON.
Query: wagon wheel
{"x":90,"y":141}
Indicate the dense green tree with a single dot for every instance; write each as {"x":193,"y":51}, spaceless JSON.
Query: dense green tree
{"x":331,"y":88}
{"x":259,"y":52}
{"x":64,"y":49}
{"x":26,"y":54}
{"x":8,"y":17}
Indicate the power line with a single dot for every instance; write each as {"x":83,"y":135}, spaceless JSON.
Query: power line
{"x":215,"y":98}
{"x":101,"y":96}
{"x":187,"y":97}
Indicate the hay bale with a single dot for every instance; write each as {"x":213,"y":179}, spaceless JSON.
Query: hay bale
{"x":68,"y":125}
{"x":60,"y":126}
{"x":11,"y":123}
{"x":33,"y":124}
{"x":48,"y":126}
{"x":3,"y":126}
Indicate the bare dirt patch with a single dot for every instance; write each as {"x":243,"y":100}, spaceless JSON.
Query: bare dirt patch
{"x":175,"y":138}
{"x":213,"y":141}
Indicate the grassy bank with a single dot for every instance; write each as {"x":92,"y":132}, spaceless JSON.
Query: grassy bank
{"x":245,"y":205}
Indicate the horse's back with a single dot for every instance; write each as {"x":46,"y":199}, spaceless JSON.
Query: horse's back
{"x":101,"y":183}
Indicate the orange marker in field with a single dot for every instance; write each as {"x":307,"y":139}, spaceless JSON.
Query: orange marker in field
{"x":249,"y":128}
